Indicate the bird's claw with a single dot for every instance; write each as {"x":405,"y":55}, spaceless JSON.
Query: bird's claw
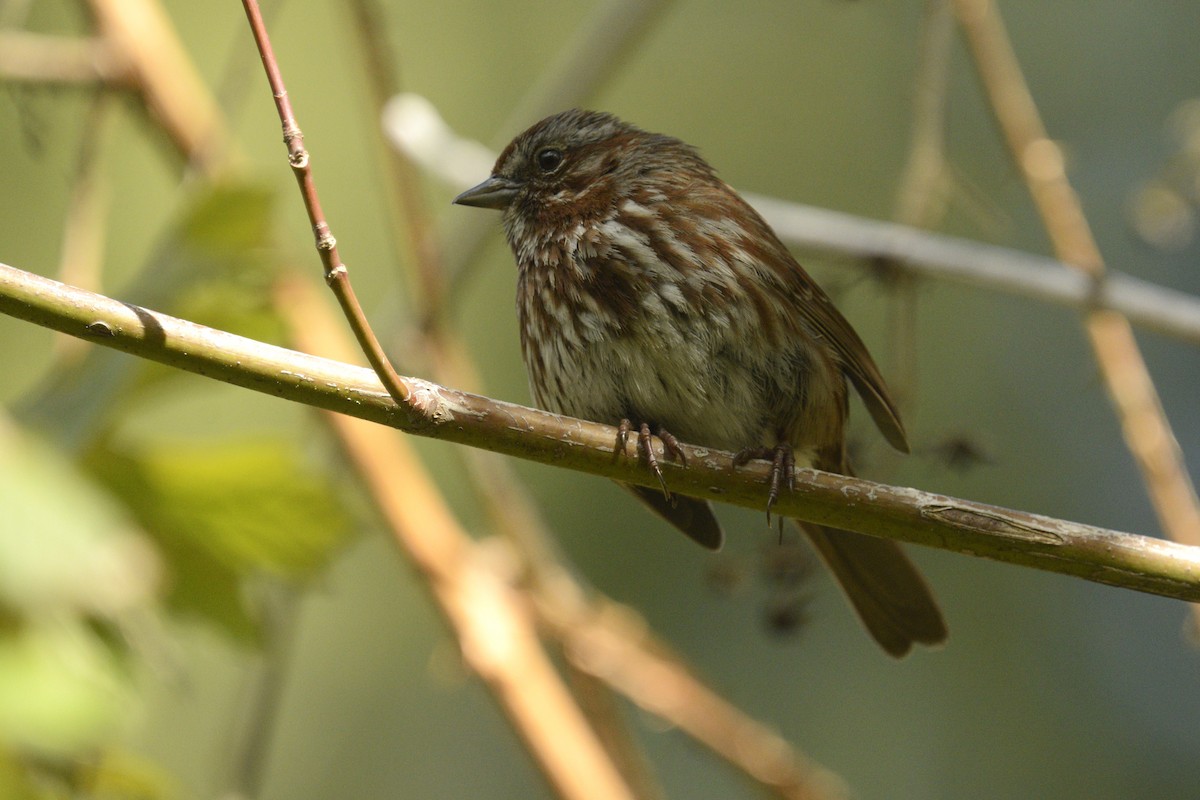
{"x":783,"y":469}
{"x":645,"y":446}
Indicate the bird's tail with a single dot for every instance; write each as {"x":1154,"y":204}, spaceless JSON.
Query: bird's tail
{"x":882,"y":584}
{"x":886,"y":590}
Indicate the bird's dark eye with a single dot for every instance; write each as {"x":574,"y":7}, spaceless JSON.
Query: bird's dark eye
{"x":548,"y":159}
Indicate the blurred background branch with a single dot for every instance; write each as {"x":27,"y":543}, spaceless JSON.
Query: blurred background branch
{"x":903,"y":247}
{"x":1043,"y":166}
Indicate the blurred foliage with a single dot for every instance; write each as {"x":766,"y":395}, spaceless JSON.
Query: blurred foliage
{"x":74,"y":572}
{"x":212,"y":266}
{"x":176,"y":528}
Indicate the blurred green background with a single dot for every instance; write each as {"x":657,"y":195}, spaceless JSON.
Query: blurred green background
{"x":1050,"y":687}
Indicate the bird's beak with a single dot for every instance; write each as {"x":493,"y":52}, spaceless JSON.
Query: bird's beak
{"x":496,"y":192}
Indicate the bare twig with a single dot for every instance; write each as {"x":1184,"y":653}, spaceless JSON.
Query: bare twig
{"x":502,"y":496}
{"x":1110,"y":557}
{"x":336,"y":274}
{"x":1147,"y":431}
{"x":924,"y":179}
{"x":608,"y":646}
{"x":599,"y":702}
{"x":411,"y":213}
{"x":923,"y":183}
{"x":611,"y":643}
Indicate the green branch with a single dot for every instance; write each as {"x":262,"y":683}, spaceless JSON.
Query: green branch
{"x":1119,"y":559}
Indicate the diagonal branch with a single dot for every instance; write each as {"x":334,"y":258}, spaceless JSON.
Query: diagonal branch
{"x":168,"y":83}
{"x":1104,"y":556}
{"x":920,"y":200}
{"x":607,"y":645}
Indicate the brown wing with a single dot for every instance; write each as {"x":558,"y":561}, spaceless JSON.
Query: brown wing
{"x":823,"y":318}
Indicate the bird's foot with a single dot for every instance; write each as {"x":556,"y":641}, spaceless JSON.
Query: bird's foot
{"x":645,"y":446}
{"x":783,"y":469}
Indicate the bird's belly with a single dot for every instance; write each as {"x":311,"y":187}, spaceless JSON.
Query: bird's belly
{"x":678,"y":378}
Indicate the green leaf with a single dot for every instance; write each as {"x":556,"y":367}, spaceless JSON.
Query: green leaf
{"x":228,"y":220}
{"x":66,"y":548}
{"x":62,"y":690}
{"x":224,"y":512}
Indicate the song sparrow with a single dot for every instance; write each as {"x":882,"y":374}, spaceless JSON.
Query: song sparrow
{"x":653,"y":297}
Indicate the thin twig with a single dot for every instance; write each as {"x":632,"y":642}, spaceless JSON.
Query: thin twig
{"x":502,"y":496}
{"x":1147,"y":432}
{"x":611,"y":643}
{"x":923,"y":182}
{"x":230,"y":90}
{"x":336,"y":274}
{"x":598,"y":700}
{"x":402,"y":185}
{"x":1104,"y":556}
{"x":608,"y":646}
